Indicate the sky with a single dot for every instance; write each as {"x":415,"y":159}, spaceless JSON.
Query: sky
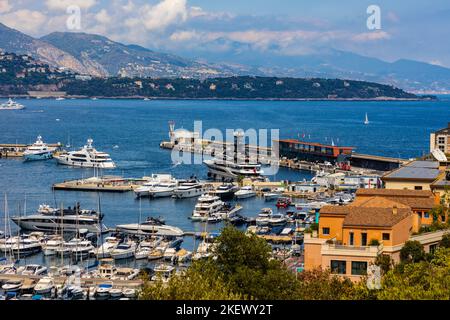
{"x":409,"y":29}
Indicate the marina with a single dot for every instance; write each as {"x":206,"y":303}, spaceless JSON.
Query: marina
{"x":153,"y":231}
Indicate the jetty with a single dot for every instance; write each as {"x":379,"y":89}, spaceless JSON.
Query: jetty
{"x":290,"y":153}
{"x":101,"y":184}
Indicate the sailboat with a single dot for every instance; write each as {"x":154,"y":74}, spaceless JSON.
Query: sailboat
{"x":366,"y":122}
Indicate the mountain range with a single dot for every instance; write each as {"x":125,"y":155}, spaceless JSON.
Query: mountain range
{"x":101,"y":57}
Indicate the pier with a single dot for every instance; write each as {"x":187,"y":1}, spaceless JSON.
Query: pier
{"x":294,"y":154}
{"x":101,"y":184}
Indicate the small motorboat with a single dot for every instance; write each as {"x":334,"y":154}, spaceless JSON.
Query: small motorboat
{"x":155,"y":254}
{"x":245,"y":193}
{"x":104,"y":251}
{"x":32,"y":270}
{"x":142,"y":253}
{"x":270,"y":196}
{"x":264,"y":216}
{"x":103,"y":290}
{"x":170,"y":253}
{"x":115,"y":293}
{"x":277,"y":219}
{"x":12,"y":285}
{"x":44,"y":286}
{"x":129,"y":293}
{"x":124,"y":251}
{"x":283,"y":203}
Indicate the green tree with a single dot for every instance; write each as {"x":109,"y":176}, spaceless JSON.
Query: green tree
{"x":241,"y":268}
{"x":445,"y":242}
{"x":412,"y":251}
{"x":428,"y":280}
{"x":320,"y":284}
{"x":385,"y":263}
{"x":200,"y":282}
{"x":245,"y":262}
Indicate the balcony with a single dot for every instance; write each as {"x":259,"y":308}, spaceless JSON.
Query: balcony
{"x":354,"y":251}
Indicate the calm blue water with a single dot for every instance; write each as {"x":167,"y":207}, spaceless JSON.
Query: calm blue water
{"x":399,"y":129}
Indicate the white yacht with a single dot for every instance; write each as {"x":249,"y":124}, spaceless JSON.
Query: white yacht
{"x":38,"y":151}
{"x":32,"y":270}
{"x":11,"y":105}
{"x":21,"y":245}
{"x":226,"y":191}
{"x":245,"y":193}
{"x":152,"y":226}
{"x":190,"y":189}
{"x":153,"y":181}
{"x":219,"y":168}
{"x":104,"y":251}
{"x":277,"y":219}
{"x":162,"y":190}
{"x":86,"y":157}
{"x":48,"y":219}
{"x":206,"y":207}
{"x":124,"y":251}
{"x":44,"y":286}
{"x":264,"y":216}
{"x":51,"y":245}
{"x":77,"y":247}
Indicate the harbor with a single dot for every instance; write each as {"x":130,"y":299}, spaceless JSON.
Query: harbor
{"x":130,"y":196}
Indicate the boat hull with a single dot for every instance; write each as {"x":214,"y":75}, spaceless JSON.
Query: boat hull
{"x":38,"y":157}
{"x":51,"y":227}
{"x":66,"y":162}
{"x":245,"y":195}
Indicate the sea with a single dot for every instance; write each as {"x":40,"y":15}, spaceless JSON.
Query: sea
{"x":131,"y":131}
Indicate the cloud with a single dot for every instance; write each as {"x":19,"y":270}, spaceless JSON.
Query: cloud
{"x":5,"y":6}
{"x":62,"y":5}
{"x":371,"y":36}
{"x":103,"y":17}
{"x":163,"y":14}
{"x":25,"y":20}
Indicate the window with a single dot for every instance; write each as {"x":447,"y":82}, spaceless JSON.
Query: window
{"x":386,"y":237}
{"x":364,"y":239}
{"x":351,"y":239}
{"x":418,"y":188}
{"x":338,"y":267}
{"x":359,"y":268}
{"x":426,"y":215}
{"x":441,"y":140}
{"x":433,"y":248}
{"x":326,"y":231}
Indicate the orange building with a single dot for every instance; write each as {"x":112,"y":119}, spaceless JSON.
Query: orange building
{"x":378,"y":222}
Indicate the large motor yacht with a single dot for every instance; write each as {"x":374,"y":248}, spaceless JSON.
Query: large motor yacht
{"x":206,"y":207}
{"x":220,"y":168}
{"x":86,"y":157}
{"x":38,"y":151}
{"x":11,"y":105}
{"x":48,"y":219}
{"x":190,"y":189}
{"x":152,"y":226}
{"x":154,"y":181}
{"x":226,"y":191}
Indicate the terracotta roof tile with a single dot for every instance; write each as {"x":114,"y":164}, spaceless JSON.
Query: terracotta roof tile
{"x":375,"y":217}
